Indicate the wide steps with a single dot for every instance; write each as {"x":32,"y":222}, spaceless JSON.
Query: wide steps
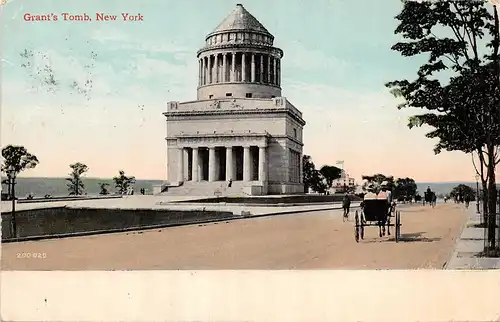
{"x":206,"y":189}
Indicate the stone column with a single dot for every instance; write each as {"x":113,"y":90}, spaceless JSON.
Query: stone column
{"x":202,"y":67}
{"x":216,"y":68}
{"x":253,"y":69}
{"x":233,"y":68}
{"x":204,"y":71}
{"x":261,"y":72}
{"x":224,"y":67}
{"x":243,"y":67}
{"x":180,"y":160}
{"x":247,"y":163}
{"x":229,"y":163}
{"x":209,"y":69}
{"x":278,"y":73}
{"x":211,"y":164}
{"x":194,"y":169}
{"x":185,"y":165}
{"x":262,"y":164}
{"x":268,"y":68}
{"x":274,"y":70}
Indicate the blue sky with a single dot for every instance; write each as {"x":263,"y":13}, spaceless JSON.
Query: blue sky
{"x":337,"y":59}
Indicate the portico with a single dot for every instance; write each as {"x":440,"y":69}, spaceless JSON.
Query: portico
{"x":222,"y":158}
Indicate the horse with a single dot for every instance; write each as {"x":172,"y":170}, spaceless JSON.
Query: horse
{"x":433,"y":199}
{"x":429,"y":198}
{"x":376,"y":210}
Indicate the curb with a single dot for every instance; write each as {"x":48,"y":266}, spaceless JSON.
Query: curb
{"x":454,"y":253}
{"x":114,"y":231}
{"x":68,"y":199}
{"x":284,"y":205}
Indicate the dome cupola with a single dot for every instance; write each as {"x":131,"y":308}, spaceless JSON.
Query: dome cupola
{"x":239,"y":60}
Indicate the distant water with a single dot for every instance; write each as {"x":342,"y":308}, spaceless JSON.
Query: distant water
{"x":57,"y":187}
{"x":444,"y":187}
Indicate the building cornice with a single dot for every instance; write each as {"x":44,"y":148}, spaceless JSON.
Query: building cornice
{"x":240,"y":83}
{"x":289,"y":112}
{"x":236,"y":135}
{"x":243,"y":47}
{"x":237,"y":30}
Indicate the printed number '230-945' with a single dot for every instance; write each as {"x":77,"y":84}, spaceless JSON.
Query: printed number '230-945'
{"x":31,"y":255}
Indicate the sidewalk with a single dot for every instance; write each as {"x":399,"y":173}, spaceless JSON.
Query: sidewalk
{"x":470,"y":243}
{"x":169,"y":203}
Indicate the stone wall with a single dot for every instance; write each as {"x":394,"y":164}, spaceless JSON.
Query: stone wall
{"x":227,"y":124}
{"x":63,"y":220}
{"x":238,"y":90}
{"x":278,"y":161}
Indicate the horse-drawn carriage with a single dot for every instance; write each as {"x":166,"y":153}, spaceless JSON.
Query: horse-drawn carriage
{"x":430,"y":198}
{"x":377,"y":211}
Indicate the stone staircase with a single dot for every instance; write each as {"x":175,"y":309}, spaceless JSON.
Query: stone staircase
{"x":205,"y":188}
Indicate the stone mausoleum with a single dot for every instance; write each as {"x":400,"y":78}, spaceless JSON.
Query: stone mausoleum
{"x":240,"y":128}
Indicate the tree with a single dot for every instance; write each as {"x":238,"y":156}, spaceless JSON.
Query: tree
{"x":122,"y":182}
{"x":463,"y":190}
{"x":104,"y":188}
{"x":312,"y":178}
{"x":374,"y":182}
{"x":464,"y":112}
{"x":308,"y":169}
{"x":75,"y":184}
{"x":320,"y":182}
{"x":405,"y":188}
{"x":330,"y":173}
{"x":15,"y":160}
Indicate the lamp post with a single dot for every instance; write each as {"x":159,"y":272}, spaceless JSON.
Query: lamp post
{"x":477,"y":194}
{"x":11,"y":174}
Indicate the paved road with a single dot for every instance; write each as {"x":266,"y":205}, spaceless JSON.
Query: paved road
{"x":310,"y":240}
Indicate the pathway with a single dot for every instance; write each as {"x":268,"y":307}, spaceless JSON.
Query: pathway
{"x":307,"y":240}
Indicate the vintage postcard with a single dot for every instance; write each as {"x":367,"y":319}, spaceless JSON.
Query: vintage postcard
{"x":261,"y":135}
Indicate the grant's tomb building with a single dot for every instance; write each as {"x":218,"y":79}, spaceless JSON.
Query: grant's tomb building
{"x":240,"y":128}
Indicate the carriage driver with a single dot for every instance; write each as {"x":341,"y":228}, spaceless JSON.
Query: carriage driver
{"x":387,"y":193}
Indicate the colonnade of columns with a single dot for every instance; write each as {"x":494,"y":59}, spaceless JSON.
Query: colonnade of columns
{"x":239,"y":67}
{"x":235,"y":163}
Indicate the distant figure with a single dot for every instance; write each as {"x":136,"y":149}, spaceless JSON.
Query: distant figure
{"x":346,"y":205}
{"x":467,"y":200}
{"x":445,"y":199}
{"x":230,"y":183}
{"x":460,"y":198}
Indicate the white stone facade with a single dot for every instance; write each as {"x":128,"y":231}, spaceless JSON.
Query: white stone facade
{"x":240,"y":128}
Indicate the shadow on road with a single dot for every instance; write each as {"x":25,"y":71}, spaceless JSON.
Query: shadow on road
{"x":407,"y":238}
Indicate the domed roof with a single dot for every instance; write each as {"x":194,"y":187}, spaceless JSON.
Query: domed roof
{"x":240,"y":19}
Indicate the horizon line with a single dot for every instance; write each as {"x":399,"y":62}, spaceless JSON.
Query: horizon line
{"x":51,"y":177}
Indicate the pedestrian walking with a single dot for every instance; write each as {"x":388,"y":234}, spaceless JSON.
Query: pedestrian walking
{"x":346,"y":205}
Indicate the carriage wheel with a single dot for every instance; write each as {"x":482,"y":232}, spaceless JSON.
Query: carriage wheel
{"x":398,"y":226}
{"x":356,"y":227}
{"x":362,"y":230}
